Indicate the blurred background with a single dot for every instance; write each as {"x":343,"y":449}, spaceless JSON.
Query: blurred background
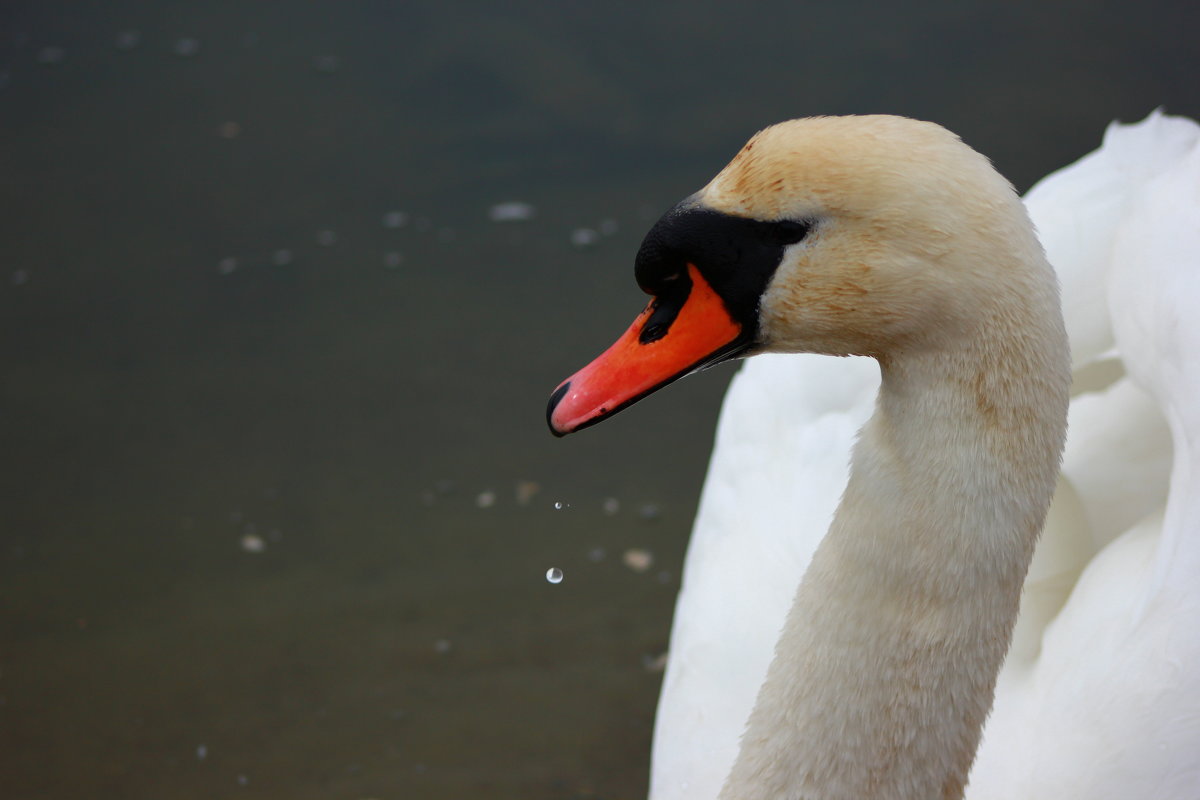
{"x":284,"y":288}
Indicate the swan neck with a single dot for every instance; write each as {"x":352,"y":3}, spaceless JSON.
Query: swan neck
{"x":885,"y":670}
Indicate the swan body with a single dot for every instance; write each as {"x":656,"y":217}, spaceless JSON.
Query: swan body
{"x":889,"y":238}
{"x":1100,"y":694}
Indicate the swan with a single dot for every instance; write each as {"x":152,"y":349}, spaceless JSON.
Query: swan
{"x":890,"y":238}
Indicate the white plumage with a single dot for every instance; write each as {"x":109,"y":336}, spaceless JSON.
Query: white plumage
{"x":1100,"y":695}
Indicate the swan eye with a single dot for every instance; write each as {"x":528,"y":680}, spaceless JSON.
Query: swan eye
{"x":789,"y":231}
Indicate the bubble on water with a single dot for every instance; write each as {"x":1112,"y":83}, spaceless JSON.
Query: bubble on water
{"x":186,"y":47}
{"x":559,"y":505}
{"x":281,"y":258}
{"x":253,"y":543}
{"x":554,"y":575}
{"x":327,"y":238}
{"x":227,"y":265}
{"x":51,"y":55}
{"x":637,"y":559}
{"x":127,"y":40}
{"x":392,"y":259}
{"x":584,"y":237}
{"x":395,"y":219}
{"x":512,"y":211}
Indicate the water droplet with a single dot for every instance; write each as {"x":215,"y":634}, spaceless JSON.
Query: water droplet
{"x":187,"y":47}
{"x":554,"y":575}
{"x":281,"y":258}
{"x":558,"y":505}
{"x":127,"y":40}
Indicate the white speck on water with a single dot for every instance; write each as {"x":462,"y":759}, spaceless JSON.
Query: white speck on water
{"x":201,"y":752}
{"x":559,"y":505}
{"x":253,"y":543}
{"x":20,"y":277}
{"x":485,"y":499}
{"x":554,"y":575}
{"x":511,"y":211}
{"x":127,"y":40}
{"x":51,"y":55}
{"x":281,"y":258}
{"x":597,"y":554}
{"x":229,"y":130}
{"x":610,"y":506}
{"x":392,"y":259}
{"x":327,"y":238}
{"x":227,"y":265}
{"x":327,"y":64}
{"x":187,"y":47}
{"x":637,"y":559}
{"x":442,"y":646}
{"x":395,"y":219}
{"x":584,"y":237}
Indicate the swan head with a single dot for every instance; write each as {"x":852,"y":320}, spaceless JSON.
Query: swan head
{"x":838,"y":235}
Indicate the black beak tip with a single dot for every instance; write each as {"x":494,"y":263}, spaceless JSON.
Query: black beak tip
{"x":555,"y":398}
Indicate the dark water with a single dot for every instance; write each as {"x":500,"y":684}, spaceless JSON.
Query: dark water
{"x":263,"y":436}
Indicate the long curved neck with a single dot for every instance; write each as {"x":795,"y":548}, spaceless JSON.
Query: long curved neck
{"x":885,"y":670}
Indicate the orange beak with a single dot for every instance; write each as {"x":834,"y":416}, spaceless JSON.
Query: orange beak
{"x":644,"y":359}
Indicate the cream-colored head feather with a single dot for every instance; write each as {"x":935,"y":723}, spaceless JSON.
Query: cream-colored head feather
{"x":911,"y":227}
